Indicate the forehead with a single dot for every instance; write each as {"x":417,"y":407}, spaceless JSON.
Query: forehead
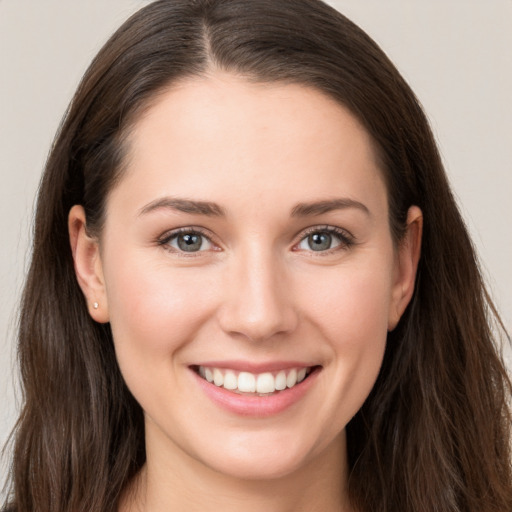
{"x":219,"y":136}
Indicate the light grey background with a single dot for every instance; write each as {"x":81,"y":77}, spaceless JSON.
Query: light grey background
{"x":456,"y":54}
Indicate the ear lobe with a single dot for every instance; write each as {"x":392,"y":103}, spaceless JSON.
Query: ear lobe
{"x":88,"y":266}
{"x":408,"y":256}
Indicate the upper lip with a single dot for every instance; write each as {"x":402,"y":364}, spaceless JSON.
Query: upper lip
{"x":255,"y":367}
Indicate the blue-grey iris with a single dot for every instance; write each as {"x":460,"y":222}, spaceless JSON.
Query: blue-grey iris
{"x":190,"y":242}
{"x":320,"y":241}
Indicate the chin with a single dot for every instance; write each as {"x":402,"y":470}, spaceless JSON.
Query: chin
{"x":260,"y":467}
{"x":262,"y":455}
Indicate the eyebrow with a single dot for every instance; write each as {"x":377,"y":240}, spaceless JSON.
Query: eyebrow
{"x":184,"y":206}
{"x":214,"y":210}
{"x":321,"y":207}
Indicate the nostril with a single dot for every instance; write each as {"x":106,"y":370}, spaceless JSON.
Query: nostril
{"x":258,"y":325}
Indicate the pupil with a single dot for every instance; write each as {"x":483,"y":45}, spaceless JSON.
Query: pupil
{"x":320,"y":241}
{"x":189,"y":243}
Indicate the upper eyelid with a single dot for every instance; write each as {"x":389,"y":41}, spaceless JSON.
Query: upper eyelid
{"x":347,"y":240}
{"x":164,"y":242}
{"x":185,"y":229}
{"x":326,"y":228}
{"x":170,"y":234}
{"x":342,"y":232}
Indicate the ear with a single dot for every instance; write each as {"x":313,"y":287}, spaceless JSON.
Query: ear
{"x":408,"y":255}
{"x":88,"y":267}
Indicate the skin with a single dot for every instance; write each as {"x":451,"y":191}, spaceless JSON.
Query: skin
{"x":257,"y":292}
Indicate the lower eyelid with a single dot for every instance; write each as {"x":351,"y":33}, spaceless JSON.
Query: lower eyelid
{"x":344,"y":238}
{"x":337,"y":242}
{"x":205,"y":245}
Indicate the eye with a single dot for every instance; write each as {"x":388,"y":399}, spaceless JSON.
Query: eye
{"x":324,"y":239}
{"x":187,"y":241}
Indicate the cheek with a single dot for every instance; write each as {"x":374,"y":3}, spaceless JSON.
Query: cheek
{"x":350,"y":309}
{"x":351,"y":303}
{"x":154,"y":310}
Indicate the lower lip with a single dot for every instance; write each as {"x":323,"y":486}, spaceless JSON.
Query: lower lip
{"x":258,"y":406}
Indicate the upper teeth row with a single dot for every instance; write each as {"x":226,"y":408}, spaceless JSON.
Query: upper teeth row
{"x":253,"y":383}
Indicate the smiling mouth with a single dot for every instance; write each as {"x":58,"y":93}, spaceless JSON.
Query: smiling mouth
{"x":255,"y":384}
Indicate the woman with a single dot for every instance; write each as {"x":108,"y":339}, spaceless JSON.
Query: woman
{"x":251,"y":285}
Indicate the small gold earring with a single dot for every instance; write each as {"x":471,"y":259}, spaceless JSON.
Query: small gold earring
{"x":95,"y":305}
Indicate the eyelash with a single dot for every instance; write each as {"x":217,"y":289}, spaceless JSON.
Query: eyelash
{"x":346,"y":239}
{"x":165,"y":240}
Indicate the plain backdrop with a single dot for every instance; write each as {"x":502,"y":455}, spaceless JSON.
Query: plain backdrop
{"x":456,"y":55}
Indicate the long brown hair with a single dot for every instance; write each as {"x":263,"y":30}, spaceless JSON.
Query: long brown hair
{"x":434,"y":435}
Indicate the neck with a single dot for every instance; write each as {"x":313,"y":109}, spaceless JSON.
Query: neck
{"x":165,"y":484}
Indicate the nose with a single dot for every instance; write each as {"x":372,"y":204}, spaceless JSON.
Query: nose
{"x":257,"y":304}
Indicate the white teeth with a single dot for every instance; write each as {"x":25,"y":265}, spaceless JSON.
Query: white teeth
{"x":265,"y":383}
{"x":246,"y":382}
{"x":291,"y":380}
{"x":230,"y":381}
{"x":218,"y":378}
{"x":281,"y":381}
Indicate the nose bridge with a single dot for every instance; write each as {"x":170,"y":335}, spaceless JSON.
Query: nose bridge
{"x":258,"y":304}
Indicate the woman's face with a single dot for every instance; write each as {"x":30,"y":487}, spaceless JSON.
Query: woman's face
{"x":248,"y":242}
